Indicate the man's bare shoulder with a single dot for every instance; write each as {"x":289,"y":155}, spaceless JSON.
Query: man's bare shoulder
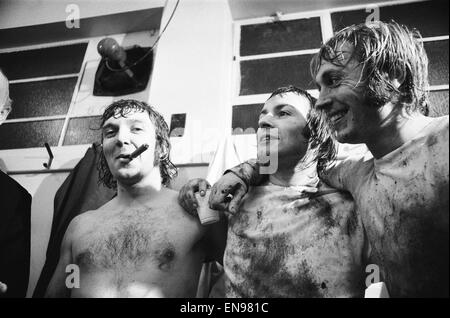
{"x":169,"y":198}
{"x":85,"y":221}
{"x":170,"y":193}
{"x":74,"y":227}
{"x":80,"y":221}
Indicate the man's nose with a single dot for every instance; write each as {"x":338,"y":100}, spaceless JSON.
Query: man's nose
{"x":122,"y":137}
{"x":265,"y":121}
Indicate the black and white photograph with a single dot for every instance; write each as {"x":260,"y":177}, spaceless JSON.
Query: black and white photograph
{"x":225,"y":153}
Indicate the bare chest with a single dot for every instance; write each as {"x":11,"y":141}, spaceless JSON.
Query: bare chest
{"x":132,"y":241}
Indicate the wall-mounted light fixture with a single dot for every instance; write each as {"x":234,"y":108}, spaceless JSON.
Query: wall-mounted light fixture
{"x":122,"y":71}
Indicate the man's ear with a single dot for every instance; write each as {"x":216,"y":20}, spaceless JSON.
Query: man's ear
{"x":398,"y":78}
{"x":164,"y":154}
{"x":162,"y":149}
{"x":4,"y":114}
{"x":307,"y":132}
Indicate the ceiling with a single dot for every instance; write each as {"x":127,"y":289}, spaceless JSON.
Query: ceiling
{"x":19,"y":13}
{"x":29,"y":22}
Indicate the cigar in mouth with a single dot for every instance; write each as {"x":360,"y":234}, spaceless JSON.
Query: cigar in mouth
{"x":138,"y":151}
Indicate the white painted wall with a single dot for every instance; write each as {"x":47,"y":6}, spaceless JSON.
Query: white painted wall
{"x":192,"y":75}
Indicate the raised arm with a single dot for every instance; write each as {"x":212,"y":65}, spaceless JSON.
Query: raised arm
{"x":248,"y":172}
{"x":228,"y":191}
{"x":345,"y":174}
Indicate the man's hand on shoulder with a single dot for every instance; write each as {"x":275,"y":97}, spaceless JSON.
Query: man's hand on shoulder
{"x":186,"y":196}
{"x":227,"y":193}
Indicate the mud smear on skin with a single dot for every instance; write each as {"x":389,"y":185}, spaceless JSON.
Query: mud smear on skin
{"x":242,"y":172}
{"x":432,"y":140}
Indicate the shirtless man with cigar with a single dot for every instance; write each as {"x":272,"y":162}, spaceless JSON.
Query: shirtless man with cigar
{"x":141,"y":243}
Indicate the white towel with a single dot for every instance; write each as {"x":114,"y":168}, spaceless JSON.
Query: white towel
{"x":225,"y":157}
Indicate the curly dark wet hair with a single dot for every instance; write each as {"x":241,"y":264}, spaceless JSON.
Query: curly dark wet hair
{"x":386,"y":50}
{"x":122,"y":108}
{"x":322,"y":146}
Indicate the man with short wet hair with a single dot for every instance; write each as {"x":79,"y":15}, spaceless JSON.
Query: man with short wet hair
{"x":293,"y":236}
{"x":141,"y":243}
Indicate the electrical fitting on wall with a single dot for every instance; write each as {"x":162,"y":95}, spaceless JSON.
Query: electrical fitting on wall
{"x":122,"y":71}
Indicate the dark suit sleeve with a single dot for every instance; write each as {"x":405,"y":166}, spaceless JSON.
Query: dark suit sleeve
{"x":15,"y":229}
